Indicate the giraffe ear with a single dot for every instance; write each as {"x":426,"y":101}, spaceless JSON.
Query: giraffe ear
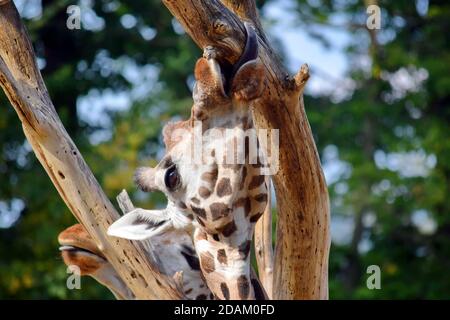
{"x":248,"y":83}
{"x":140,"y":224}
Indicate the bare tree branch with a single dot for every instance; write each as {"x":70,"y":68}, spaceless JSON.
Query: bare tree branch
{"x":23,"y":84}
{"x":124,"y":202}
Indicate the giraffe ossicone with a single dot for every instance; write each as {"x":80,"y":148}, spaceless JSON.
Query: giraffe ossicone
{"x":215,"y":201}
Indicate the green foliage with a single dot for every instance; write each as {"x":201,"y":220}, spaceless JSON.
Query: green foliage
{"x":373,"y":124}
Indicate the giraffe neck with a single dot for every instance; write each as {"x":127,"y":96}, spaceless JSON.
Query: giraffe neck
{"x":226,"y":267}
{"x":230,"y":198}
{"x":225,"y":256}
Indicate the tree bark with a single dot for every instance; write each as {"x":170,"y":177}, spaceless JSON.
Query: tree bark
{"x":23,"y":85}
{"x":303,"y":240}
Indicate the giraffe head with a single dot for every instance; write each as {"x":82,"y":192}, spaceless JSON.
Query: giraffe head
{"x":211,"y":178}
{"x":205,"y":165}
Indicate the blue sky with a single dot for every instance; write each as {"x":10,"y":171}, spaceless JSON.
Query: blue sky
{"x":327,"y":65}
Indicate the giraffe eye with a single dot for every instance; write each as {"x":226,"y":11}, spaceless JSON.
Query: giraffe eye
{"x":172,"y":178}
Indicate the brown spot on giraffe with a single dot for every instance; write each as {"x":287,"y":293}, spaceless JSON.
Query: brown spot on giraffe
{"x":195,"y":200}
{"x":182,"y":205}
{"x":199,"y":211}
{"x":207,"y":262}
{"x":219,"y":210}
{"x":210,"y":177}
{"x":244,"y":249}
{"x":222,"y":256}
{"x":204,"y":192}
{"x":256,"y":217}
{"x":225,"y":291}
{"x":228,"y":229}
{"x":262,"y":197}
{"x":223,"y":187}
{"x":244,"y":202}
{"x":256,"y":181}
{"x":243,"y":287}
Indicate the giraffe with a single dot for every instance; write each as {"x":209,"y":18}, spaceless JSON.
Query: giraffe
{"x":174,"y":249}
{"x":79,"y":249}
{"x":217,"y":191}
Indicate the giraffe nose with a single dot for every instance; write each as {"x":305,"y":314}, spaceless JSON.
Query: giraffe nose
{"x":144,"y":178}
